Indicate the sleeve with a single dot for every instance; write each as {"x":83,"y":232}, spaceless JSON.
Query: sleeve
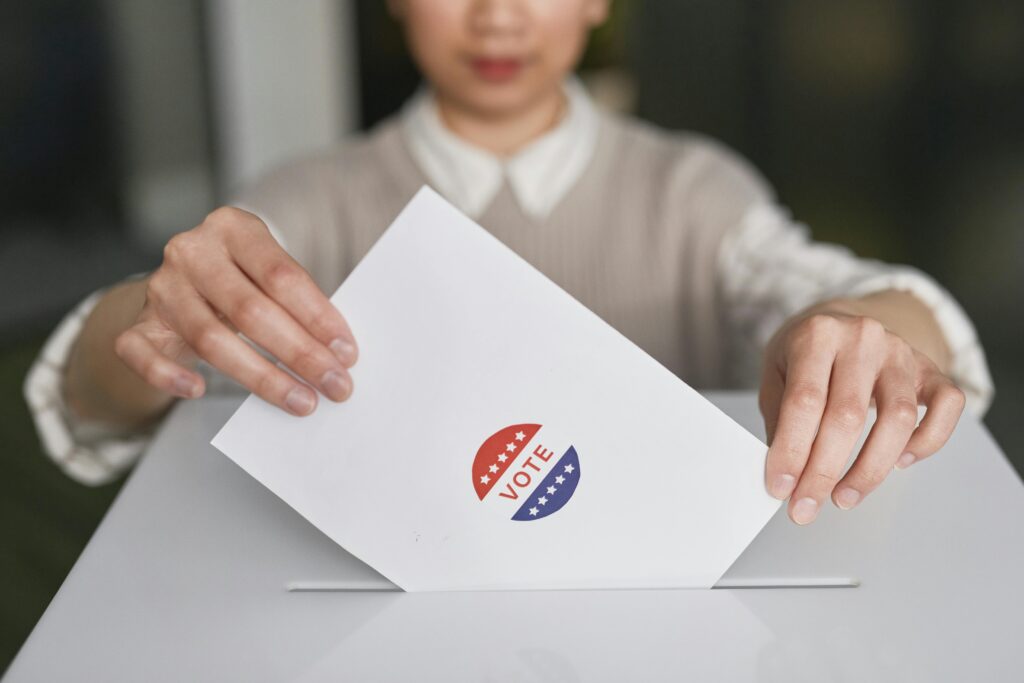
{"x":94,"y":453}
{"x":89,"y":452}
{"x":769,"y":269}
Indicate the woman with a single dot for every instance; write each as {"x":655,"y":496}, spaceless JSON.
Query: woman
{"x":670,"y":238}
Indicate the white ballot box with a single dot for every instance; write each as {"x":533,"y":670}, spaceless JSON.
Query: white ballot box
{"x":191,"y":577}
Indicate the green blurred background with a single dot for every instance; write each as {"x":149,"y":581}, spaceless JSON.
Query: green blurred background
{"x":891,"y":126}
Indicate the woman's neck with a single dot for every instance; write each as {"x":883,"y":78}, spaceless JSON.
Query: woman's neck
{"x":503,"y":135}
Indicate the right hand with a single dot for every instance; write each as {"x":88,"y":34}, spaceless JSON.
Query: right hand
{"x":229,"y":275}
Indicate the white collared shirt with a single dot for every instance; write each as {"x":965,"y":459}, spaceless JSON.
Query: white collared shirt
{"x":768,"y":269}
{"x":539,"y":175}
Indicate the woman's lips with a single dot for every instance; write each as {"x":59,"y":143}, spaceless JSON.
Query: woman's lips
{"x":496,"y":69}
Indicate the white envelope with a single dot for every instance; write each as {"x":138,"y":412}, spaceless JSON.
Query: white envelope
{"x":502,"y":436}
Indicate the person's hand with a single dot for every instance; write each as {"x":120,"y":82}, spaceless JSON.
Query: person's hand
{"x":821,"y":372}
{"x":228,"y":275}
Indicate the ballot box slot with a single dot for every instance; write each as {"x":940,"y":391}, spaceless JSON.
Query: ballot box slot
{"x":802,"y":582}
{"x":727,"y":584}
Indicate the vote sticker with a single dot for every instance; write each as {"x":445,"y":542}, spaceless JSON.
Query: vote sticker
{"x":526,"y":472}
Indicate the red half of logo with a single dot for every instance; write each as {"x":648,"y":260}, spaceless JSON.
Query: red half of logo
{"x":526,"y":471}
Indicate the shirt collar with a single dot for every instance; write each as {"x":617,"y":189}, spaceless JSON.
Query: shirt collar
{"x":539,"y":175}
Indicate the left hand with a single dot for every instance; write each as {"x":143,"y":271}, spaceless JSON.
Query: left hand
{"x":821,"y":372}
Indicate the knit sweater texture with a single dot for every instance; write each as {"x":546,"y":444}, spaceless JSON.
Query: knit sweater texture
{"x":636,"y":239}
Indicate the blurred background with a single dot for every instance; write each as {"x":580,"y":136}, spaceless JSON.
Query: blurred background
{"x":891,"y":126}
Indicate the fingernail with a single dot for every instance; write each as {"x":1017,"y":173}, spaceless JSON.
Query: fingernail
{"x":300,"y":401}
{"x":184,"y":387}
{"x":336,"y":385}
{"x":905,"y":461}
{"x":846,"y":499}
{"x":782,"y":486}
{"x":805,"y":510}
{"x":344,"y":350}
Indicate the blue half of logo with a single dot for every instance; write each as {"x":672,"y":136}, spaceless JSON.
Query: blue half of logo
{"x":554,"y":491}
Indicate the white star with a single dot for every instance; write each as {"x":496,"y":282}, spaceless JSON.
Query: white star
{"x":520,"y":436}
{"x":510,"y":447}
{"x":559,"y":479}
{"x":569,"y":468}
{"x":485,"y":479}
{"x":551,"y":490}
{"x":493,"y":469}
{"x":542,"y":500}
{"x":502,"y":457}
{"x":533,"y":511}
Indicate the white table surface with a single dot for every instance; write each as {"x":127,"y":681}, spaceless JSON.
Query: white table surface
{"x":186,"y":580}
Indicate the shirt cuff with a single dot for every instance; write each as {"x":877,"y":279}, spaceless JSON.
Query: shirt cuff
{"x":89,"y":452}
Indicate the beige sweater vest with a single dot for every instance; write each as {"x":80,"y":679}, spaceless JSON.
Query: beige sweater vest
{"x":636,"y":239}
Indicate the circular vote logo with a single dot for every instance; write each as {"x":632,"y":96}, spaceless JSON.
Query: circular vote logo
{"x":526,"y":472}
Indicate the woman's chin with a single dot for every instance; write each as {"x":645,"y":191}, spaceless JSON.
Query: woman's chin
{"x":506,"y":99}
